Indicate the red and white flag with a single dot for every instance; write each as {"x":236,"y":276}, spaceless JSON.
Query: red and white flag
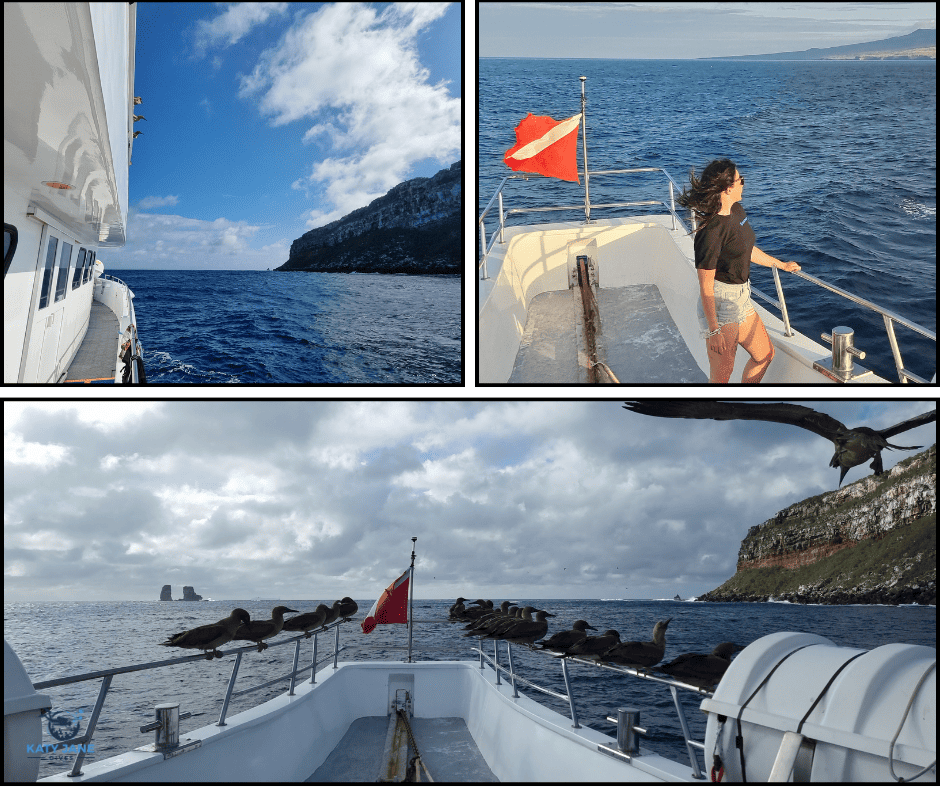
{"x":546,"y":146}
{"x":392,"y":606}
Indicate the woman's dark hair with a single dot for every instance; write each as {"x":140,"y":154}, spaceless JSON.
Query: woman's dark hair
{"x":703,"y":197}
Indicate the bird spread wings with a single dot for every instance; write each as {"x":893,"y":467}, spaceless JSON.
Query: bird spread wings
{"x":783,"y":412}
{"x":909,"y":424}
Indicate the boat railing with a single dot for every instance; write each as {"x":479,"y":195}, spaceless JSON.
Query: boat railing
{"x":132,"y":327}
{"x":487,"y":244}
{"x":890,"y":317}
{"x":568,"y":698}
{"x":80,"y":743}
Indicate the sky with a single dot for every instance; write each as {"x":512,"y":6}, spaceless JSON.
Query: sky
{"x":318,"y":500}
{"x":680,"y":31}
{"x":265,"y":120}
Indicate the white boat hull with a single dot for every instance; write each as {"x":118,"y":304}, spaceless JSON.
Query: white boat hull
{"x":521,"y":740}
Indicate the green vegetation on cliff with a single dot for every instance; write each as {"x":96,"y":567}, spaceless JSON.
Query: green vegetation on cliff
{"x":891,"y":570}
{"x":872,"y":542}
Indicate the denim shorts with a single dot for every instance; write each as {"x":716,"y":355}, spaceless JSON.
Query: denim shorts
{"x":732,"y":305}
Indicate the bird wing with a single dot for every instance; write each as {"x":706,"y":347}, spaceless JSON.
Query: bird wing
{"x":782,"y":412}
{"x":904,"y":426}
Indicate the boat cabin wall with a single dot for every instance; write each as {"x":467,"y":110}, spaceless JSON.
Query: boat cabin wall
{"x":45,"y":316}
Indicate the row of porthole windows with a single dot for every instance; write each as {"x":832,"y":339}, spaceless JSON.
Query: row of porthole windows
{"x":83,"y":268}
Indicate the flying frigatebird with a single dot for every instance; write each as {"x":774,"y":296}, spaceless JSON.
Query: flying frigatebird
{"x":853,"y":446}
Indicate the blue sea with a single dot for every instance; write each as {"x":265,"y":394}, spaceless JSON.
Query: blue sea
{"x":57,"y":639}
{"x":266,"y":327}
{"x":839,"y":161}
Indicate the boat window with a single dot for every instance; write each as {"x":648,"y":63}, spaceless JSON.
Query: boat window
{"x":79,"y":267}
{"x":46,"y":290}
{"x":89,"y":265}
{"x":65,"y":260}
{"x":10,"y":237}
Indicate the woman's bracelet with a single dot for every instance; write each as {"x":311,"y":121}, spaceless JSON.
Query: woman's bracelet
{"x":712,"y":333}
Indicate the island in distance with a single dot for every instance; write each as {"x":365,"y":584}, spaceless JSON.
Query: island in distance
{"x":414,"y":229}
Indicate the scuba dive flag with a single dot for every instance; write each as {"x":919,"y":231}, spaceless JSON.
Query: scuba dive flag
{"x":392,"y":606}
{"x":546,"y":146}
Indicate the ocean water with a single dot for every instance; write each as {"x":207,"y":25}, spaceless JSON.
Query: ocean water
{"x":263,"y":327}
{"x":56,"y":639}
{"x":838,"y":158}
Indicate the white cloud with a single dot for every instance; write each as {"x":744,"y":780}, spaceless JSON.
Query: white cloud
{"x":234,"y":23}
{"x":39,"y":455}
{"x":319,"y":499}
{"x":158,"y":202}
{"x":170,"y":241}
{"x":357,"y":73}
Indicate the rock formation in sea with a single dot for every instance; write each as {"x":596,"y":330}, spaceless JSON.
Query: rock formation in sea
{"x":414,"y":229}
{"x":871,"y":542}
{"x":166,"y":595}
{"x":190,"y":595}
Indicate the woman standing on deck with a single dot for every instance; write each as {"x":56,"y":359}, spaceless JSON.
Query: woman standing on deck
{"x":724,"y":251}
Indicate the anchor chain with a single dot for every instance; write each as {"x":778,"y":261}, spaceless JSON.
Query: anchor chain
{"x":415,"y":763}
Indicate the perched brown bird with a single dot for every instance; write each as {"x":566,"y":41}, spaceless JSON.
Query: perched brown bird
{"x":210,"y":636}
{"x":139,"y":117}
{"x":347,"y":608}
{"x":332,"y":613}
{"x":562,"y":640}
{"x":635,"y":654}
{"x":592,"y":647}
{"x":489,"y":618}
{"x":527,"y":632}
{"x":259,"y":631}
{"x":498,"y":629}
{"x":138,"y":100}
{"x":701,"y":670}
{"x":306,"y":622}
{"x":137,"y":134}
{"x":853,"y":446}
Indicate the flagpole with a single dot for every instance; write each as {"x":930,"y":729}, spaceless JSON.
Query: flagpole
{"x":587,"y":193}
{"x":411,"y":593}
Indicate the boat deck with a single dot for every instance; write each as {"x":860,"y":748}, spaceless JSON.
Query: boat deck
{"x":446,"y":746}
{"x":97,"y":355}
{"x":639,"y":340}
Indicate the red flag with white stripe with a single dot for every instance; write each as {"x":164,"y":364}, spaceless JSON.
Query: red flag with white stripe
{"x":546,"y":146}
{"x":392,"y":606}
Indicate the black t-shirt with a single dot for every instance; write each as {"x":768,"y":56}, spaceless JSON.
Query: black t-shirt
{"x":724,"y":245}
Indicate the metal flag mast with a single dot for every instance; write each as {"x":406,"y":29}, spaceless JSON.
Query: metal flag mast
{"x":587,"y":193}
{"x":411,"y":593}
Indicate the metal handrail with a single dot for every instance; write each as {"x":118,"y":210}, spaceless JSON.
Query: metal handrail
{"x":110,"y":673}
{"x":890,"y":317}
{"x":673,"y":684}
{"x":138,"y":349}
{"x":677,"y":222}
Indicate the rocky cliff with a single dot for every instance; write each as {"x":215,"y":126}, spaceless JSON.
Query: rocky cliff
{"x":873,"y":541}
{"x":166,"y":594}
{"x":414,"y":229}
{"x":190,"y":595}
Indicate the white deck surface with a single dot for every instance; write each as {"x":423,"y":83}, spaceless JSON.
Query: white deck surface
{"x":447,"y":749}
